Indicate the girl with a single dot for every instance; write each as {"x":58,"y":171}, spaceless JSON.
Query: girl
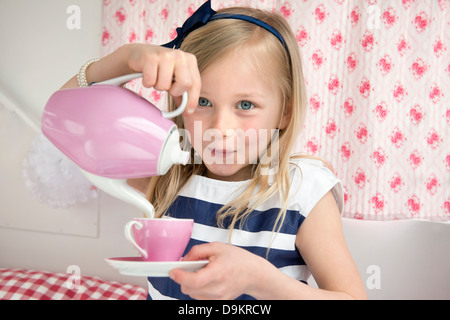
{"x":264,"y":219}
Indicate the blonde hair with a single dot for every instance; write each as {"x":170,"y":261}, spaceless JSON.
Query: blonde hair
{"x":208,"y":44}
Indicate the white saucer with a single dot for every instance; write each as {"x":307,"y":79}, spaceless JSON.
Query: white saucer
{"x":135,"y":266}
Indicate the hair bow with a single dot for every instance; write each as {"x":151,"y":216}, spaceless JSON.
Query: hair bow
{"x":198,"y":19}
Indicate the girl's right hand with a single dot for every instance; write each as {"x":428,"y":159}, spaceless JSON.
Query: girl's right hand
{"x":166,"y":69}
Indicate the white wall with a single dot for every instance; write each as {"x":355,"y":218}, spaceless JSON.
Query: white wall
{"x":38,"y":54}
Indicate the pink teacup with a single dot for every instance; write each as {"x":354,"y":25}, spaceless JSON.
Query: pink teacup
{"x":159,"y":239}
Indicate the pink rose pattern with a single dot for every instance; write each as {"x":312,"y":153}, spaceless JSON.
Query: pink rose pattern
{"x":378,"y":86}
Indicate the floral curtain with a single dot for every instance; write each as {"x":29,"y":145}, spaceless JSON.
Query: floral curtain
{"x":378,"y":83}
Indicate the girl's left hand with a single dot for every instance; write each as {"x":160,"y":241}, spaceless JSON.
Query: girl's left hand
{"x":230,"y":273}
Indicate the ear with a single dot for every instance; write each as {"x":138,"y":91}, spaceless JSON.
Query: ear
{"x":286,"y":116}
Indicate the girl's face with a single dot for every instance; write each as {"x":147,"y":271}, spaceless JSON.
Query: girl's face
{"x":240,"y":107}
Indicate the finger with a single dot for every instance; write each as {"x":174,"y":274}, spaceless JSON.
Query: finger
{"x":165,"y":74}
{"x":196,"y":84}
{"x":178,"y":275}
{"x":193,"y":96}
{"x":201,"y":252}
{"x":149,"y":75}
{"x":182,"y":79}
{"x":192,"y":280}
{"x":180,"y":85}
{"x":185,"y":280}
{"x":201,"y":284}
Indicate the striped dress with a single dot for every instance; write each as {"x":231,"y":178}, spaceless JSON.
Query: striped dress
{"x":202,"y":197}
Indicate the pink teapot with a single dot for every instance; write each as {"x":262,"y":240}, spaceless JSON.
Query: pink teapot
{"x":113,"y":134}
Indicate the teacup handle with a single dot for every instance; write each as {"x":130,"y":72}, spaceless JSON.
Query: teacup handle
{"x":124,"y":79}
{"x":130,"y":238}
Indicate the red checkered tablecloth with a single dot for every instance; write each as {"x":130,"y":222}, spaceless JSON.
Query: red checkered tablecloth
{"x":22,"y":284}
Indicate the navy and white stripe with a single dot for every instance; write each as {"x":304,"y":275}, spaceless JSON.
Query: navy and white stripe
{"x":202,"y":197}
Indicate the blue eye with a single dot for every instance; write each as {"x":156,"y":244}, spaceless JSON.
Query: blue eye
{"x":245,"y":105}
{"x":202,"y":102}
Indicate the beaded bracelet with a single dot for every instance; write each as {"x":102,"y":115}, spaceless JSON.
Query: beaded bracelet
{"x":81,"y":76}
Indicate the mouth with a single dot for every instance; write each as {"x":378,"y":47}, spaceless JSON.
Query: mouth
{"x":221,"y":152}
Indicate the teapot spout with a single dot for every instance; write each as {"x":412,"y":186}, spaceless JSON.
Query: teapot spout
{"x":120,"y":189}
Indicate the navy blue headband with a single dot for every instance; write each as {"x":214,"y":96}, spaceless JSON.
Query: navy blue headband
{"x":204,"y":14}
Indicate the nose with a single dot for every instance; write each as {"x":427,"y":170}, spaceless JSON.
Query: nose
{"x":223,"y":120}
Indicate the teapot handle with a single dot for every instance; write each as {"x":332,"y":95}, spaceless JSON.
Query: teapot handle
{"x":177,"y":111}
{"x":121,"y":80}
{"x":124,"y":79}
